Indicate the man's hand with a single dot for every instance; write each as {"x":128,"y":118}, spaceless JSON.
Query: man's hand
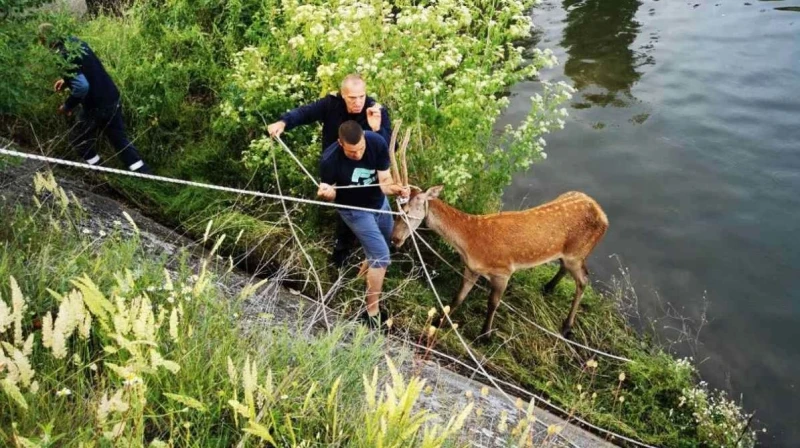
{"x":63,"y":111}
{"x":399,"y":190}
{"x":326,"y":192}
{"x":374,"y":117}
{"x":59,"y":85}
{"x":276,"y":129}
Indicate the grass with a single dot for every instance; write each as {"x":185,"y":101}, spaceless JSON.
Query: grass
{"x":164,"y":358}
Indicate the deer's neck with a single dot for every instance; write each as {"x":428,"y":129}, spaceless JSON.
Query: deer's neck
{"x":450,"y":223}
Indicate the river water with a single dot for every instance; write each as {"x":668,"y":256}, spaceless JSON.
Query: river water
{"x":686,"y":129}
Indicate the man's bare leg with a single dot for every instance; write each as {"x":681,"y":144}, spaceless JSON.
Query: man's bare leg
{"x":374,"y":286}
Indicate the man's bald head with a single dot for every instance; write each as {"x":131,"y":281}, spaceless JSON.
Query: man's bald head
{"x":354,"y":92}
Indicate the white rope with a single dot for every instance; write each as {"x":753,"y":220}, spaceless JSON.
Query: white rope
{"x":8,"y":152}
{"x":530,"y":394}
{"x":513,"y":310}
{"x":302,"y":167}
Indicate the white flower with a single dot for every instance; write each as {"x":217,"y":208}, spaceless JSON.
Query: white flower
{"x":63,"y":392}
{"x":173,"y":325}
{"x":297,"y":41}
{"x":317,"y":29}
{"x":133,"y":381}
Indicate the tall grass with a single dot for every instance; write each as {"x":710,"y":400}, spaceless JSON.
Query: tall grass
{"x":103,"y":343}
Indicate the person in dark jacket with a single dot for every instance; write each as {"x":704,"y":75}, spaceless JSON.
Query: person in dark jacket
{"x":351,"y":103}
{"x":93,"y":89}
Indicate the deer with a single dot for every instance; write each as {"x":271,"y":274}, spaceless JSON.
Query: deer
{"x":494,"y":246}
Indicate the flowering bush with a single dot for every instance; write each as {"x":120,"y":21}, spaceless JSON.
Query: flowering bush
{"x":443,"y":67}
{"x":720,"y":421}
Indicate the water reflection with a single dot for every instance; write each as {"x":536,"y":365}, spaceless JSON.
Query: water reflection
{"x":598,"y":37}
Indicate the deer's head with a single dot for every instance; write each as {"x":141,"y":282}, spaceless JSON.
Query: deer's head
{"x":414,"y":212}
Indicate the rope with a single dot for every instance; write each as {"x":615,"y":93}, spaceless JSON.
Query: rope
{"x":302,"y":167}
{"x":8,"y":152}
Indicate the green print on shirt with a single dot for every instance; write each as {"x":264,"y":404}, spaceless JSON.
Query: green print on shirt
{"x":363,"y":176}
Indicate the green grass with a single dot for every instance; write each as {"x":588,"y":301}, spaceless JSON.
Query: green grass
{"x":299,"y":390}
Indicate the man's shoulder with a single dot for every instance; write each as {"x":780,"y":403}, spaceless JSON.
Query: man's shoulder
{"x":330,"y":154}
{"x":375,"y":140}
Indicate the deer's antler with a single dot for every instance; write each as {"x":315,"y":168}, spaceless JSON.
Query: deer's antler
{"x":392,"y":155}
{"x":403,"y":160}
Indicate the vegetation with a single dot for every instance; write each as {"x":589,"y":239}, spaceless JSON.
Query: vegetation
{"x":154,"y":354}
{"x":199,"y":81}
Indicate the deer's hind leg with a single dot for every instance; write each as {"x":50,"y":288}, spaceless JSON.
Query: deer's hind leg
{"x":551,"y":285}
{"x":576,"y":268}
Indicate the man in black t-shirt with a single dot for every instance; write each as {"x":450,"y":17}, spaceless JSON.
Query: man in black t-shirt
{"x":362,"y":158}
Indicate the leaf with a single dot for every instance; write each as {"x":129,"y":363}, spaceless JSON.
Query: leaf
{"x":260,"y":431}
{"x":25,"y":443}
{"x":250,"y":289}
{"x":55,"y":295}
{"x":240,"y":408}
{"x":14,"y":393}
{"x":187,"y":401}
{"x":97,"y":303}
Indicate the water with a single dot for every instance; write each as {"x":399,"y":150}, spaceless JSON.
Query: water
{"x":686,"y":129}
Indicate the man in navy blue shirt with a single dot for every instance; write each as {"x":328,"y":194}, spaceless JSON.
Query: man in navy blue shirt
{"x":351,"y":103}
{"x":92,"y":88}
{"x":362,"y":158}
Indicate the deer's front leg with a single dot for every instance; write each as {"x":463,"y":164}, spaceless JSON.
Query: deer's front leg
{"x":467,"y":283}
{"x":499,"y":284}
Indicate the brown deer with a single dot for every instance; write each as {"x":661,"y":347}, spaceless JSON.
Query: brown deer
{"x":497,"y":245}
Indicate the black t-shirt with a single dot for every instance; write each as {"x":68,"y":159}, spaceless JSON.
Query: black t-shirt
{"x":336,"y":168}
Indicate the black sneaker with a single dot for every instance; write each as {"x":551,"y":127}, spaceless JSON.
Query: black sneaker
{"x":375,"y":322}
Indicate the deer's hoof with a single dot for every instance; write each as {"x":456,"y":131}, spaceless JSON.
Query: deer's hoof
{"x":566,"y":331}
{"x":485,"y":338}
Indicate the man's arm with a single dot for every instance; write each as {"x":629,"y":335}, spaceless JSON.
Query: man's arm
{"x":306,"y":114}
{"x":328,"y":174}
{"x":79,"y":88}
{"x":386,"y":125}
{"x":388,"y":186}
{"x":379,"y":123}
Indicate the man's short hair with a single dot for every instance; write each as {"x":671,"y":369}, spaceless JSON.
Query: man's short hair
{"x":350,"y":132}
{"x":47,"y":34}
{"x":350,"y":78}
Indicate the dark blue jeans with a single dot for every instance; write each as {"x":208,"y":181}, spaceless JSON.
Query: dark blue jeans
{"x":107,"y":121}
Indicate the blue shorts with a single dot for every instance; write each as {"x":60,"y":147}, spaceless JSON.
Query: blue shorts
{"x":374,"y":231}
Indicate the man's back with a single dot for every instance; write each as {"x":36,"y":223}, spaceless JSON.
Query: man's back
{"x":102,"y":90}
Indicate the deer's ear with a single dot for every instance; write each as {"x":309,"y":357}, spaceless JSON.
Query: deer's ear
{"x":433,"y":192}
